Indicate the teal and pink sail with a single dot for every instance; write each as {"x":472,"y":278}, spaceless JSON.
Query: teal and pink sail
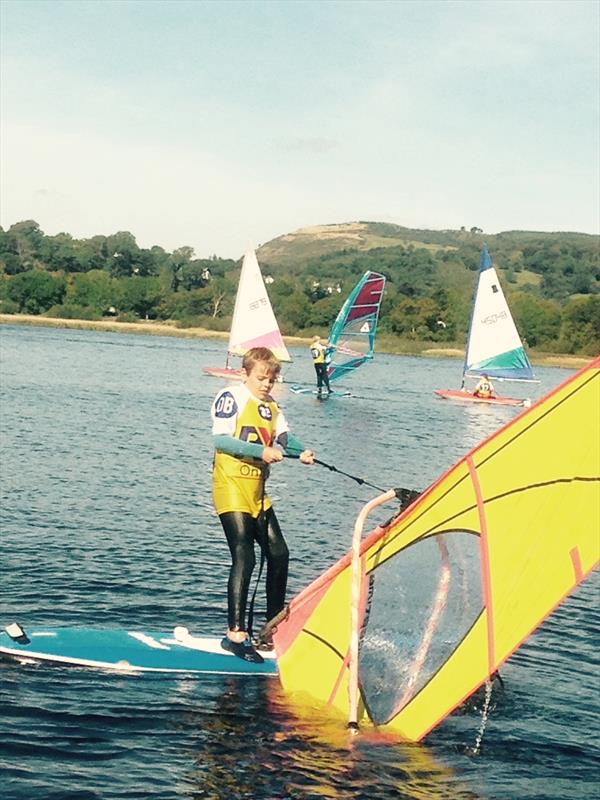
{"x":494,"y":347}
{"x":352,"y":335}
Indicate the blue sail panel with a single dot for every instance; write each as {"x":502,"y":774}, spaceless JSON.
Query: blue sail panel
{"x":485,"y":260}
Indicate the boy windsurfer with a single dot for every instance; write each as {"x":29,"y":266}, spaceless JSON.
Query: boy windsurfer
{"x":247,"y":423}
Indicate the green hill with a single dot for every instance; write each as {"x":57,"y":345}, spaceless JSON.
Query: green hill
{"x":551,"y":280}
{"x":291,"y":249}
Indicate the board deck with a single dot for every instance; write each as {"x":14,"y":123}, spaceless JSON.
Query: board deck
{"x":310,"y":390}
{"x":132,"y":650}
{"x":468,"y":397}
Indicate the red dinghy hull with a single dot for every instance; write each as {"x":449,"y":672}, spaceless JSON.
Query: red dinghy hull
{"x":223,"y":372}
{"x":230,"y":374}
{"x":468,"y":397}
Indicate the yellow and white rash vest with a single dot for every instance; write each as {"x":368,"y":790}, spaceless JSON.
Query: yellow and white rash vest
{"x":483,"y":389}
{"x":237,"y":480}
{"x":317,"y":352}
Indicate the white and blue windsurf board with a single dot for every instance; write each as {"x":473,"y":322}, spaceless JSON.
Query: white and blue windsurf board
{"x":310,"y":390}
{"x":133,"y":650}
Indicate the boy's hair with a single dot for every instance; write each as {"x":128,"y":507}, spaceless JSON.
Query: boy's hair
{"x":261,"y":354}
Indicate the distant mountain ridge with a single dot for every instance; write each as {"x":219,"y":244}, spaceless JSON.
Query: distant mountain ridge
{"x":319,"y":240}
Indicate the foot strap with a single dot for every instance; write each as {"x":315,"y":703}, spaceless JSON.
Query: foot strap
{"x":243,"y":650}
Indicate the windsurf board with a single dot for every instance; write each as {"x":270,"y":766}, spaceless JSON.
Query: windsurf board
{"x":134,"y":650}
{"x":309,"y":390}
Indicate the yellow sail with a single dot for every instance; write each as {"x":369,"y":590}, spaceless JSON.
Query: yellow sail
{"x":452,"y":586}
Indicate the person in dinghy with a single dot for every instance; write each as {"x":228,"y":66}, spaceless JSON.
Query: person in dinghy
{"x":247,"y":426}
{"x":484,"y":388}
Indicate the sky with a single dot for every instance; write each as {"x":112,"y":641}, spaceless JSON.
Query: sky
{"x":221,"y":125}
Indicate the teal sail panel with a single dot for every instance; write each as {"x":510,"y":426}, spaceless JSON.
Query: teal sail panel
{"x":352,"y":335}
{"x":505,"y":365}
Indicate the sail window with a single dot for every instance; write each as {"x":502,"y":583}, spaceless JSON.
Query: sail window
{"x":422,"y":603}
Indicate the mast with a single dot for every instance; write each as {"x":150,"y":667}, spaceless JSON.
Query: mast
{"x":484,"y":258}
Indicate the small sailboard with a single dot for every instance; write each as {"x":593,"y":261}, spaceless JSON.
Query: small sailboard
{"x":351,"y":340}
{"x":128,"y":651}
{"x":298,"y":389}
{"x":468,"y":397}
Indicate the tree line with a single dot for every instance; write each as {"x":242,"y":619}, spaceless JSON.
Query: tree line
{"x":552,"y":282}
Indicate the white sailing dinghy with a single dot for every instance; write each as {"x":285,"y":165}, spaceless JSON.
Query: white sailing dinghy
{"x":253,"y":323}
{"x":494,"y":347}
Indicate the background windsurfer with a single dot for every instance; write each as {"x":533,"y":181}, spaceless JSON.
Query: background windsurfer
{"x":319,"y":357}
{"x":247,"y":423}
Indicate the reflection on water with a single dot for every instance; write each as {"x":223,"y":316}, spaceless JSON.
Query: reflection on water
{"x":304,"y":754}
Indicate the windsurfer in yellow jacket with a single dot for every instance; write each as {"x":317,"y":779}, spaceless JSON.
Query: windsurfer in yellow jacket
{"x":484,"y":388}
{"x":247,"y":424}
{"x":318,"y":352}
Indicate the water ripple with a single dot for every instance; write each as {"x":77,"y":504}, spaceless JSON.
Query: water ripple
{"x":107,"y":521}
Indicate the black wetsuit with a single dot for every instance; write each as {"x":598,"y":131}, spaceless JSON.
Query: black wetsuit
{"x":322,"y":377}
{"x":318,"y":354}
{"x":242,"y":531}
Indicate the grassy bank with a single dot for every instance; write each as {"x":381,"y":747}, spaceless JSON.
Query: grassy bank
{"x":385,"y":344}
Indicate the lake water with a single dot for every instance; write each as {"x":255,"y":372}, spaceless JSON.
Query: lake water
{"x":107,"y":521}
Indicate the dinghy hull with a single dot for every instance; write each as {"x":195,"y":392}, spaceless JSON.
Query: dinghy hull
{"x":468,"y":397}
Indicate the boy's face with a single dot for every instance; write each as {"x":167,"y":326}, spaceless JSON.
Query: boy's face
{"x":260,"y":380}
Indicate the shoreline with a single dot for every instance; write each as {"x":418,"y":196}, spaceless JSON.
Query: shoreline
{"x":152,"y":328}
